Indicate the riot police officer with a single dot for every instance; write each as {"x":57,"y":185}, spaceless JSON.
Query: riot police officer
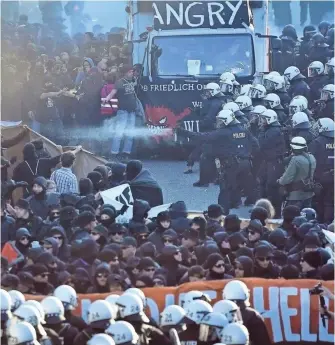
{"x":298,"y":85}
{"x":229,"y":86}
{"x":325,"y":106}
{"x":322,"y":147}
{"x":319,"y":50}
{"x":329,"y":70}
{"x":239,"y":115}
{"x":245,"y":104}
{"x":257,"y":93}
{"x":316,"y":79}
{"x":272,"y":101}
{"x":272,"y":151}
{"x":276,"y":84}
{"x":301,"y":127}
{"x":302,"y":61}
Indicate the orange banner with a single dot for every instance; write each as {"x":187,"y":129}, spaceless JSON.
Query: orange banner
{"x":290,"y":313}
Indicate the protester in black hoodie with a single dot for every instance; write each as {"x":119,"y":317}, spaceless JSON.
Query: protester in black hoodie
{"x":85,"y":187}
{"x":243,"y":267}
{"x":97,"y":181}
{"x":178,"y":214}
{"x":163,"y":222}
{"x":118,"y":174}
{"x":264,"y":267}
{"x":7,"y":226}
{"x":216,"y":267}
{"x":215,"y":216}
{"x":58,"y":234}
{"x":104,"y":171}
{"x":66,"y":216}
{"x":140,"y":215}
{"x":41,"y":279}
{"x":100,"y":279}
{"x":311,"y":263}
{"x":107,"y":216}
{"x":26,"y":219}
{"x":50,"y":262}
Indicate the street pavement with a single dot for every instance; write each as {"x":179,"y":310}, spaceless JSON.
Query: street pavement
{"x":177,"y":186}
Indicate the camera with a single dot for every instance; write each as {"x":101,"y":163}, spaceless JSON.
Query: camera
{"x":316,"y":290}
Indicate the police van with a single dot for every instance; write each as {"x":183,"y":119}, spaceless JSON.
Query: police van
{"x":183,"y":45}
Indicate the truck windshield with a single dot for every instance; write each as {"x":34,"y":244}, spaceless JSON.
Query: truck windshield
{"x":203,"y":55}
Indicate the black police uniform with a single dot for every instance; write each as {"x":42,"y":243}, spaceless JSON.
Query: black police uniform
{"x":272,"y":151}
{"x":316,"y":84}
{"x":324,"y":109}
{"x":281,"y":114}
{"x":285,"y":99}
{"x":299,"y":87}
{"x":306,"y":133}
{"x":322,"y":149}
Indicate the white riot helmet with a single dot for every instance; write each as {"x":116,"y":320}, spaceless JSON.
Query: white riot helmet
{"x":173,"y":316}
{"x":296,"y":105}
{"x":100,"y":314}
{"x":67,"y":295}
{"x":38,"y":306}
{"x":22,"y":333}
{"x":231,"y":106}
{"x":315,"y":68}
{"x":257,"y":91}
{"x":291,"y":72}
{"x":258,"y":110}
{"x":270,"y":116}
{"x":131,"y":307}
{"x":28,"y":313}
{"x":211,"y":89}
{"x":273,"y":82}
{"x":303,"y":99}
{"x":212,"y":324}
{"x":226,"y":117}
{"x":53,"y":309}
{"x":227,"y":86}
{"x":101,"y":339}
{"x":235,"y":334}
{"x":274,"y":73}
{"x":227,"y":75}
{"x":17,"y":298}
{"x":6,"y":304}
{"x":197,"y":309}
{"x":330,"y":66}
{"x":236,"y":290}
{"x":229,"y":309}
{"x":191,"y":296}
{"x":300,"y":120}
{"x":298,"y":143}
{"x":139,"y":293}
{"x":111,"y":299}
{"x":272,"y":100}
{"x":123,"y":333}
{"x":326,"y":127}
{"x":327,"y":92}
{"x":244,"y":102}
{"x":245,"y":89}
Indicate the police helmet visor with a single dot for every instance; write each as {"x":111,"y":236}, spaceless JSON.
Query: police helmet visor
{"x":207,"y":93}
{"x":313,"y":71}
{"x":268,"y":103}
{"x":329,"y":69}
{"x":226,"y":88}
{"x":269,"y":85}
{"x":237,"y":89}
{"x":292,"y":109}
{"x":254,"y":93}
{"x":327,"y":95}
{"x":207,"y":333}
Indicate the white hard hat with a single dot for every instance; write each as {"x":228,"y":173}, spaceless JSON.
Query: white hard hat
{"x":258,"y":110}
{"x":28,"y":313}
{"x":330,"y":65}
{"x":244,"y":102}
{"x":327,"y":92}
{"x":298,"y":143}
{"x":53,"y":309}
{"x":229,"y":309}
{"x":270,"y":116}
{"x":227,"y":75}
{"x":139,"y":293}
{"x":326,"y":126}
{"x":245,"y":89}
{"x":271,"y":100}
{"x":6,"y":303}
{"x":123,"y":333}
{"x":257,"y":91}
{"x":22,"y":333}
{"x":236,"y":290}
{"x":191,"y":296}
{"x":111,"y":299}
{"x":235,"y":334}
{"x":231,"y":106}
{"x":226,"y":116}
{"x":315,"y":68}
{"x":213,"y":88}
{"x":38,"y":306}
{"x":296,"y":105}
{"x":197,"y":309}
{"x":101,"y":339}
{"x":172,"y":315}
{"x":67,"y":295}
{"x":17,"y":298}
{"x":98,"y":311}
{"x":291,"y":72}
{"x":300,"y":120}
{"x":273,"y":82}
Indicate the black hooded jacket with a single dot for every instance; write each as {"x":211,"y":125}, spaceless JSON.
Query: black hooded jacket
{"x":179,"y":220}
{"x":140,"y":213}
{"x":64,"y":250}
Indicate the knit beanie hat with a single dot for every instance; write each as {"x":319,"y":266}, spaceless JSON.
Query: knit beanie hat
{"x":170,"y":234}
{"x":327,"y":272}
{"x":145,"y":263}
{"x":259,"y":213}
{"x":24,"y":204}
{"x":67,"y":213}
{"x":278,"y":238}
{"x":26,"y":278}
{"x":147,"y":249}
{"x":232,"y":223}
{"x":256,"y":226}
{"x":85,"y":186}
{"x":263,"y":252}
{"x":313,"y":259}
{"x":248,"y":265}
{"x":244,"y":251}
{"x":146,"y":280}
{"x":212,"y":260}
{"x":220,"y":237}
{"x":41,"y":181}
{"x":133,"y":168}
{"x":10,"y":281}
{"x":163,"y":216}
{"x":214,"y":211}
{"x":107,"y":255}
{"x":86,"y":207}
{"x":37,"y":269}
{"x":235,"y":240}
{"x":84,"y":219}
{"x":96,"y":179}
{"x":289,"y":272}
{"x":290,"y":212}
{"x":303,"y":230}
{"x":21,"y":233}
{"x":311,"y":241}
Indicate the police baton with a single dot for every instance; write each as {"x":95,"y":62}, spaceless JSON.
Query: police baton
{"x":173,"y":334}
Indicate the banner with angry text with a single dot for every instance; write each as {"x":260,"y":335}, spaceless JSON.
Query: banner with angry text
{"x":291,"y":314}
